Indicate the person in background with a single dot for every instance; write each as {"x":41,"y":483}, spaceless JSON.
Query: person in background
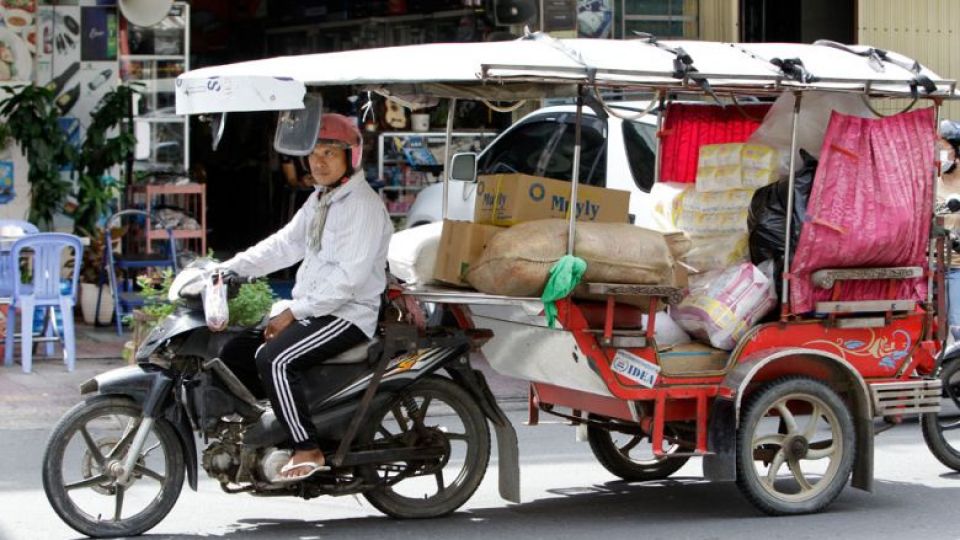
{"x":341,"y":235}
{"x":948,"y":187}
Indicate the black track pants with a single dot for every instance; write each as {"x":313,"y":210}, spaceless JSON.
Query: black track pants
{"x":281,"y":362}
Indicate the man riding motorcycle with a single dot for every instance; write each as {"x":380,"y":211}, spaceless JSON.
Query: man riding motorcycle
{"x":340,"y":235}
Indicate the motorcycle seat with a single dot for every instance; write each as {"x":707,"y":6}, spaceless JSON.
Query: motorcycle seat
{"x":354,"y":355}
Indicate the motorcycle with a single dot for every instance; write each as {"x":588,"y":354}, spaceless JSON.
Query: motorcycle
{"x":402,"y":421}
{"x":940,"y":428}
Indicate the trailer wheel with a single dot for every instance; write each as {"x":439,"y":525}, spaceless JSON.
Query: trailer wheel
{"x":630,"y":455}
{"x":795,"y":447}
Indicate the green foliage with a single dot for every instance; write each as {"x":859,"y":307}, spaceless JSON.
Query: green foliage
{"x":154,"y":292}
{"x":31,"y":117}
{"x":251,"y":304}
{"x":4,"y":136}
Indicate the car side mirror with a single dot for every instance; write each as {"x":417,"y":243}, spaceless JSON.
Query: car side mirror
{"x":463,"y":167}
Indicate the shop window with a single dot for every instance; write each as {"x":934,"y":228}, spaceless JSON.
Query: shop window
{"x":662,"y":18}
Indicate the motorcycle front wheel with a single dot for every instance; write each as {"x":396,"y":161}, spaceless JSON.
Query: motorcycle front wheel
{"x":434,"y":413}
{"x":81,"y":464}
{"x":941,"y":431}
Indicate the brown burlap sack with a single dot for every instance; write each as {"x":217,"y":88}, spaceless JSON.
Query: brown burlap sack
{"x":517,"y":261}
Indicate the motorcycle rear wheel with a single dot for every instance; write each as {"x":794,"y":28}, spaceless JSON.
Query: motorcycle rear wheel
{"x":448,"y":416}
{"x":99,"y":431}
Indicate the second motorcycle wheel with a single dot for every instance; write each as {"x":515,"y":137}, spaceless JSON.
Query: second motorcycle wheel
{"x":941,"y":431}
{"x":434,"y":413}
{"x":630,"y":455}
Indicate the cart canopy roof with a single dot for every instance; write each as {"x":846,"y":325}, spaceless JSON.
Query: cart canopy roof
{"x":539,"y":66}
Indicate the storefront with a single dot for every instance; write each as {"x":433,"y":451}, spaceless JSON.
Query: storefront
{"x":82,"y":48}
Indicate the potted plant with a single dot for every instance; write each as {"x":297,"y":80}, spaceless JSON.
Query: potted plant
{"x":32,"y":118}
{"x":109,"y":140}
{"x":90,"y":277}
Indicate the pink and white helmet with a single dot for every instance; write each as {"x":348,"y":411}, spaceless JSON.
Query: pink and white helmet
{"x":337,"y":128}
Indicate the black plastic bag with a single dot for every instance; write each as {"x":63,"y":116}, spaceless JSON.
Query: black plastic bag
{"x":766,"y":220}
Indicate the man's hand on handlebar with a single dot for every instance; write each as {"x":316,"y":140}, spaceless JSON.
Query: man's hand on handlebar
{"x":233,"y":281}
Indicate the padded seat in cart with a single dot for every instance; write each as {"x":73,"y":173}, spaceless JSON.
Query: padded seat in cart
{"x":693,"y":359}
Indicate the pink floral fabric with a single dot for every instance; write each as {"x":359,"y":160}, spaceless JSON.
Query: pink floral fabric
{"x":870,"y":206}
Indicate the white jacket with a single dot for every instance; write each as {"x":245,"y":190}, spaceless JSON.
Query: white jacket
{"x":346,"y":277}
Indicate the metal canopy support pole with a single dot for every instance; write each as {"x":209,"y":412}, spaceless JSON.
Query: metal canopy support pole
{"x":451,"y":112}
{"x":575,"y":175}
{"x":785,"y":300}
{"x":657,"y":157}
{"x":933,"y":251}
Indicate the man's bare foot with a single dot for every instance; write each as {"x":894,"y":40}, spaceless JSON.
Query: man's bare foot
{"x":309,"y":459}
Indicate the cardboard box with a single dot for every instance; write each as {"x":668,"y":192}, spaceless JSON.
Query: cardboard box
{"x":508,"y":199}
{"x":461,"y":244}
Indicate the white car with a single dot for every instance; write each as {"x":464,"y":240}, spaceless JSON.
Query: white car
{"x":615,"y":153}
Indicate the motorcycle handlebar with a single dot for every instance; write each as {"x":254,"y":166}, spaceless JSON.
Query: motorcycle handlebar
{"x":234,"y":279}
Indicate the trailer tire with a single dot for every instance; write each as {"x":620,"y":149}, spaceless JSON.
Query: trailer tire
{"x":793,"y":443}
{"x":618,"y":461}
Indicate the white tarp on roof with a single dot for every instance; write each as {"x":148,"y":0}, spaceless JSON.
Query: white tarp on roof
{"x":528,"y":66}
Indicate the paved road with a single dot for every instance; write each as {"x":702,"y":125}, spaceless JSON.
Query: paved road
{"x":566,"y":495}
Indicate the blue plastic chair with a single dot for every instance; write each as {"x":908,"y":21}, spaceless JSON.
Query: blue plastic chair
{"x":11,"y":227}
{"x":126,"y":298}
{"x":43,"y":291}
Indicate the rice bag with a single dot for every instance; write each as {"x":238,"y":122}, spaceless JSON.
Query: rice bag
{"x":412,"y":254}
{"x":517,"y":261}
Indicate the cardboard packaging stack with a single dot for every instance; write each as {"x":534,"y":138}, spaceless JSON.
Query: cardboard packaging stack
{"x":507,"y":199}
{"x":714,"y":212}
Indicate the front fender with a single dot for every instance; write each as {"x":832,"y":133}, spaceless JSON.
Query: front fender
{"x":149,"y":386}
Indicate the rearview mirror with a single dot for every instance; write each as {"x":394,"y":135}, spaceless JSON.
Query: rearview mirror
{"x":463,"y":167}
{"x":217,"y":124}
{"x":297,"y":129}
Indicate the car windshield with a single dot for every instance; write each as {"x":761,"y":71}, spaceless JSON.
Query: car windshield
{"x":593,"y":152}
{"x":640,"y":141}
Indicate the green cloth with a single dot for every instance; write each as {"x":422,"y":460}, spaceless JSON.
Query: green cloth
{"x":565,"y":275}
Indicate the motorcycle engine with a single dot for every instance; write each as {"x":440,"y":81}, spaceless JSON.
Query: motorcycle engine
{"x":222,"y":461}
{"x":271,"y":462}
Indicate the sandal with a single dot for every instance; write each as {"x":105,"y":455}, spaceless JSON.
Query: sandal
{"x":311,"y":466}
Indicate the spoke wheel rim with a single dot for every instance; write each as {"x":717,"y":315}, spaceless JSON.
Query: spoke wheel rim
{"x":645,"y":442}
{"x":779,"y":455}
{"x":111,"y":452}
{"x":434,"y":470}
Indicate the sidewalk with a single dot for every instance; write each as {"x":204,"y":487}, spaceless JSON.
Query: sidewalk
{"x":36,"y":400}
